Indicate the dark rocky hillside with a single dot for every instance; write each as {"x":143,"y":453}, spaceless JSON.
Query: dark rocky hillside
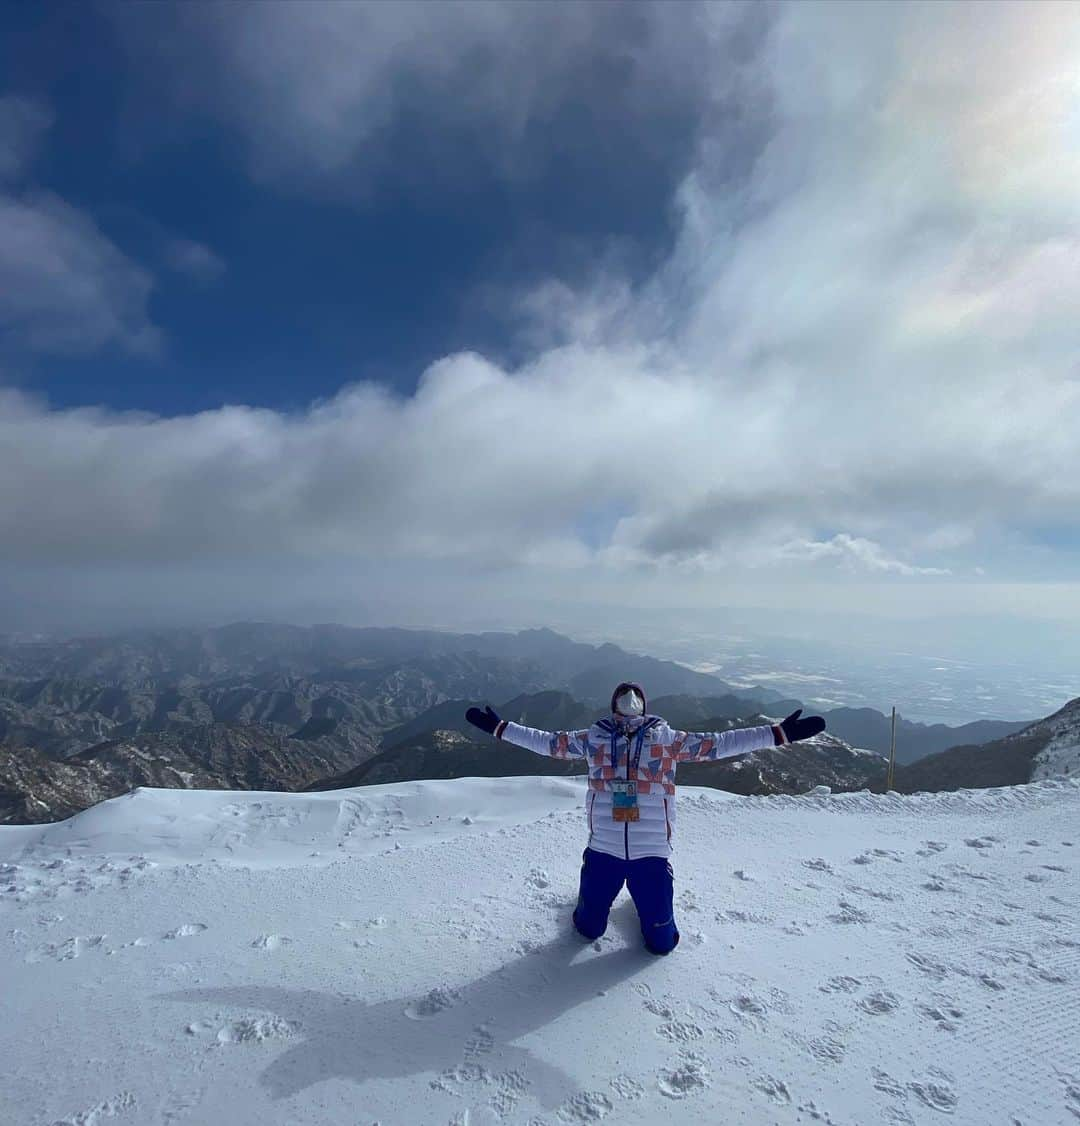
{"x":822,"y":761}
{"x":866,"y":727}
{"x":1044,"y":749}
{"x":36,"y":787}
{"x":448,"y":754}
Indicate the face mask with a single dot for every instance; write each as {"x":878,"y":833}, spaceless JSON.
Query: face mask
{"x":629,"y":703}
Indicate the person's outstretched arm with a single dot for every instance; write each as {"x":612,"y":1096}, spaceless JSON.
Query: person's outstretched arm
{"x":693,"y":746}
{"x":553,"y":744}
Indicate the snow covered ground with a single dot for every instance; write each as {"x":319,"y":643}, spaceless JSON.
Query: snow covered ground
{"x":401,"y":954}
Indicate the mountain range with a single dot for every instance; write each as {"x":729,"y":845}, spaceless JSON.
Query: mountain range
{"x":273,"y":707}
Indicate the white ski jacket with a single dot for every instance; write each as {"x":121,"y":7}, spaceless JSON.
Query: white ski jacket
{"x":645,"y":751}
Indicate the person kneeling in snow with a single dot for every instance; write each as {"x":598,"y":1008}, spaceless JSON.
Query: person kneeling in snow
{"x":630,"y":801}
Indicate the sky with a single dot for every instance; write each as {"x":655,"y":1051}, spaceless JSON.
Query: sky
{"x":485,"y":313}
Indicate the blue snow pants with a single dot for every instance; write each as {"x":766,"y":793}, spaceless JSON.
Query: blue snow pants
{"x":651,"y":884}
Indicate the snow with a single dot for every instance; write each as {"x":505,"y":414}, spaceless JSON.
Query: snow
{"x":401,"y":954}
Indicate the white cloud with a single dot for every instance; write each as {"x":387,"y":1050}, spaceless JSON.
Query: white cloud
{"x":358,"y":93}
{"x":194,"y":259}
{"x":64,"y":286}
{"x":856,"y":553}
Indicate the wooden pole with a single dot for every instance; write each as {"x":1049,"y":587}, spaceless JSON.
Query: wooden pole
{"x":892,"y":751}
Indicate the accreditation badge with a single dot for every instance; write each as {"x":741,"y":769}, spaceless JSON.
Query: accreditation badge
{"x":624,"y":801}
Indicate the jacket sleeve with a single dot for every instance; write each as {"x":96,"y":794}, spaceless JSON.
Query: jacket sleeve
{"x":554,"y":744}
{"x":693,"y":746}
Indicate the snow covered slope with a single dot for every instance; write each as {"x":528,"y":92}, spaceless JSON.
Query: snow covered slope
{"x":401,"y":954}
{"x":1061,"y":756}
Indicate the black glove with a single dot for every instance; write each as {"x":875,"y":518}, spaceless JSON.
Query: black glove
{"x":486,"y":720}
{"x":794,"y":728}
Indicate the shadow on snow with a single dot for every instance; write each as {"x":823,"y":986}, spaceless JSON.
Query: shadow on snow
{"x":341,"y":1037}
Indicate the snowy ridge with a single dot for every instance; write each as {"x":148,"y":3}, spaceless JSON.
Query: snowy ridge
{"x":400,"y":954}
{"x":1061,"y":756}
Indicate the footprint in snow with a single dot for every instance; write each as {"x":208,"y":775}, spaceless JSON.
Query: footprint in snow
{"x":935,"y":1090}
{"x":741,"y":917}
{"x":68,"y":950}
{"x":879,"y":1003}
{"x":186,"y":931}
{"x":849,"y":914}
{"x":110,"y":1108}
{"x":431,"y":1004}
{"x":538,"y":878}
{"x":585,"y":1106}
{"x":825,"y":1048}
{"x":840,"y":985}
{"x":680,"y":1032}
{"x":271,"y":941}
{"x":480,"y":1044}
{"x":816,"y":1113}
{"x":872,"y":855}
{"x":981,"y":842}
{"x":256,"y":1030}
{"x":935,"y":1094}
{"x":660,"y":1009}
{"x":937,"y":885}
{"x":776,"y":1090}
{"x":929,"y":966}
{"x":685,"y":1080}
{"x":749,"y":1007}
{"x":627,"y":1088}
{"x":945,"y":1015}
{"x":1072,"y":1091}
{"x":818,"y":865}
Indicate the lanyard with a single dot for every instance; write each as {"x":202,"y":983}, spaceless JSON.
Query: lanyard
{"x":630,"y":763}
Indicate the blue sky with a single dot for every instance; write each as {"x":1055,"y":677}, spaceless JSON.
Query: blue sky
{"x":456,"y":312}
{"x":304,"y":288}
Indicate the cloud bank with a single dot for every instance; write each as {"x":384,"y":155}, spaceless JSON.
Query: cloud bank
{"x":859,"y":359}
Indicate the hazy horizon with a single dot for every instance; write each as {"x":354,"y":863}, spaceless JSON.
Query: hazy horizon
{"x":823,"y":668}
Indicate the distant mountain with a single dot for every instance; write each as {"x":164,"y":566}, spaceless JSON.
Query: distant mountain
{"x":35,"y":787}
{"x":353,"y":706}
{"x":658,"y":678}
{"x":353,"y":683}
{"x":250,"y":649}
{"x":700,"y":713}
{"x":865,"y":727}
{"x":548,"y":710}
{"x":1048,"y":748}
{"x":448,"y":754}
